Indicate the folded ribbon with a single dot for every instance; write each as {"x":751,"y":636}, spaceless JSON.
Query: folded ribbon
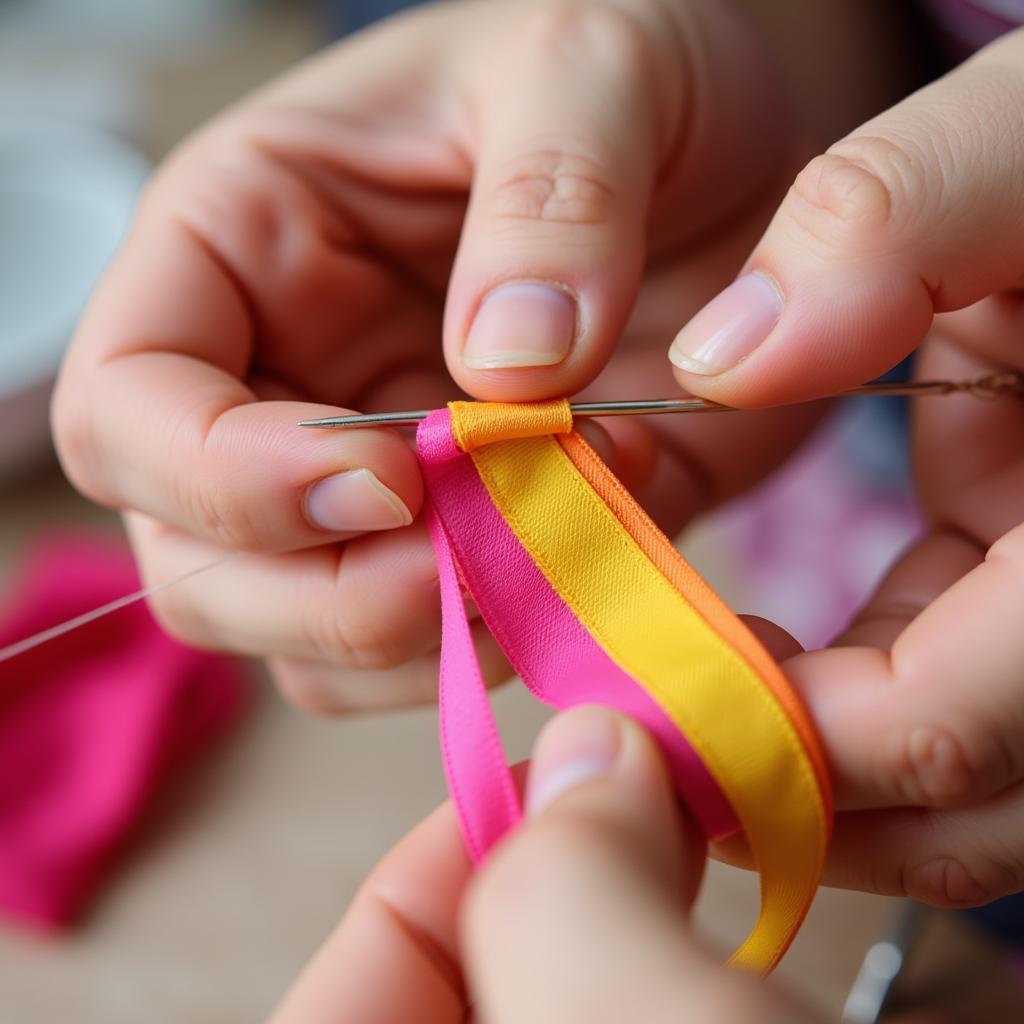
{"x":591,"y":603}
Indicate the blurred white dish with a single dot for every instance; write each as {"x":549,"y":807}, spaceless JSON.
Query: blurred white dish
{"x":67,"y":193}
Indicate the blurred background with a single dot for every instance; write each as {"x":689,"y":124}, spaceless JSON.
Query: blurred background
{"x":197,"y":892}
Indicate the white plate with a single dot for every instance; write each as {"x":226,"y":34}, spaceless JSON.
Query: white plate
{"x":67,"y":193}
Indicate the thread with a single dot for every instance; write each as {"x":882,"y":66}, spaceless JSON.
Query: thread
{"x":70,"y":625}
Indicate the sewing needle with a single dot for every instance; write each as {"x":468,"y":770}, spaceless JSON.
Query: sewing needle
{"x":982,"y":387}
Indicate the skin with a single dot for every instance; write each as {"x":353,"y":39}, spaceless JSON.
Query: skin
{"x":325,"y":245}
{"x":582,"y":915}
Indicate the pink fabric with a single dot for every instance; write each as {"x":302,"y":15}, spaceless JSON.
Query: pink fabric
{"x":91,"y":724}
{"x":559,"y":661}
{"x":478,"y":776}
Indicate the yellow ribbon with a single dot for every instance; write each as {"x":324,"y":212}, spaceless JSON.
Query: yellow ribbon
{"x":677,"y":640}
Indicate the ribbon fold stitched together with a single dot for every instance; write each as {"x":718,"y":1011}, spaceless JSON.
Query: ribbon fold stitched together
{"x":591,"y":603}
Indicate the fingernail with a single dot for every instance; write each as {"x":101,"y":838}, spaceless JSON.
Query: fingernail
{"x":355,"y":501}
{"x":729,"y":327}
{"x":522,"y":324}
{"x":577,"y":746}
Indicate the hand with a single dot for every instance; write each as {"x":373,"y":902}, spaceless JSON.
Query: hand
{"x":910,"y":230}
{"x":579,"y":917}
{"x":293,"y":260}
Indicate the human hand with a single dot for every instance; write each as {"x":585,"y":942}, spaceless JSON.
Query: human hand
{"x":580,"y":916}
{"x":295,"y":257}
{"x":908,"y":231}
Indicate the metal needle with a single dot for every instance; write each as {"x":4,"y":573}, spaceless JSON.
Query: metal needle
{"x":982,"y":387}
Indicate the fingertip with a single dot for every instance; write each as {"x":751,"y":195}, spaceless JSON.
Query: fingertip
{"x":801,"y":328}
{"x":262,"y":483}
{"x":599,"y":769}
{"x":359,"y":480}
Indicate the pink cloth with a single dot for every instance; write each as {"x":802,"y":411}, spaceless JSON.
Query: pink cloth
{"x":91,"y":725}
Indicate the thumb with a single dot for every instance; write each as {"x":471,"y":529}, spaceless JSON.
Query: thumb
{"x":918,"y":212}
{"x":580,"y":916}
{"x":554,"y":239}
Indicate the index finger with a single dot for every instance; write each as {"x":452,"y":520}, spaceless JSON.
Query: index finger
{"x":153,"y":413}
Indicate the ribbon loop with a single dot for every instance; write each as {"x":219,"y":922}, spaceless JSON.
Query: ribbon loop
{"x":475,"y":424}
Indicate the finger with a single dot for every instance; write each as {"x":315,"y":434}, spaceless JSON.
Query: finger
{"x":946,"y":858}
{"x":393,"y":959}
{"x":553,"y":245}
{"x":151,"y":415}
{"x":968,"y":461}
{"x":328,"y":689}
{"x":937,"y":720}
{"x":586,"y":108}
{"x":991,"y":328}
{"x":581,"y":914}
{"x":930,"y":567}
{"x":914,"y":213}
{"x":360,"y":605}
{"x":339,"y":640}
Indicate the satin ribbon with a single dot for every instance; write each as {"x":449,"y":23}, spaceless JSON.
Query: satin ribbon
{"x":591,"y":603}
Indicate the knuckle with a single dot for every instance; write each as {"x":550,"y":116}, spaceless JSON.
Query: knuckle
{"x":839,"y":199}
{"x":555,"y":186}
{"x":305,"y":686}
{"x":570,"y":835}
{"x":350,"y":619}
{"x":950,"y":881}
{"x":238,"y":191}
{"x":559,"y":180}
{"x":603,"y":36}
{"x":871,"y":189}
{"x":937,"y":766}
{"x":339,"y":633}
{"x":220,"y":514}
{"x":176,"y":615}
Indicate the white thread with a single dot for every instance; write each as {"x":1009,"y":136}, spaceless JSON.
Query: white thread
{"x":21,"y":646}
